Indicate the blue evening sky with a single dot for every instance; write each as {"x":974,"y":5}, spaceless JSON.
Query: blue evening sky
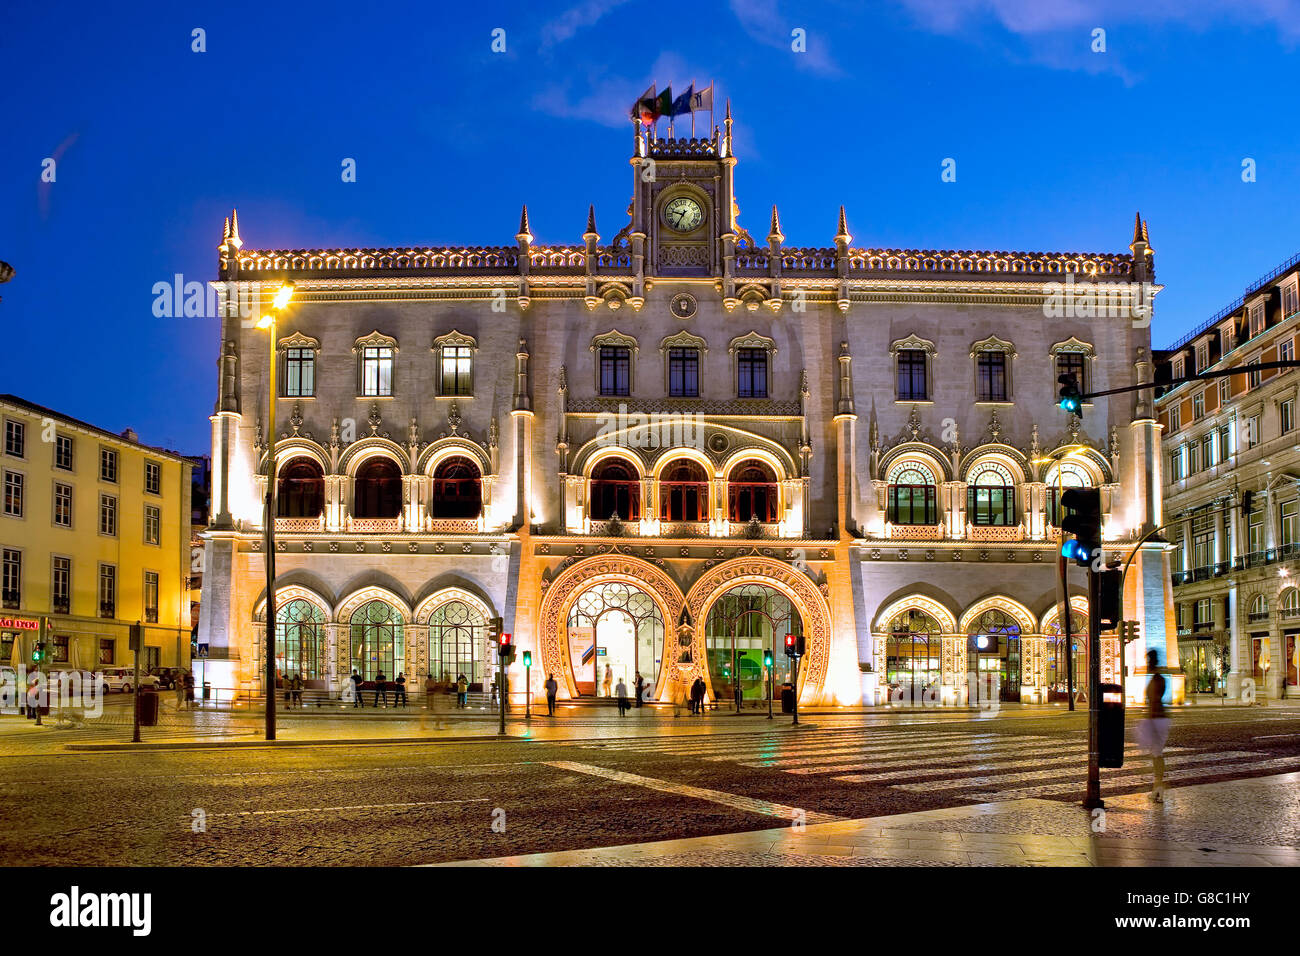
{"x":1056,"y":146}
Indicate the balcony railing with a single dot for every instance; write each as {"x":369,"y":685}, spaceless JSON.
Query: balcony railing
{"x":300,"y":525}
{"x":108,"y":609}
{"x":151,"y":615}
{"x":376,"y":525}
{"x":1257,"y":617}
{"x":61,"y":605}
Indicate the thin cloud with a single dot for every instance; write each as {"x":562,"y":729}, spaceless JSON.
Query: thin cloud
{"x":575,"y":19}
{"x":762,"y":21}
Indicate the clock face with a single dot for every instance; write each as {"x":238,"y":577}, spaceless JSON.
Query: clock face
{"x":683,"y":214}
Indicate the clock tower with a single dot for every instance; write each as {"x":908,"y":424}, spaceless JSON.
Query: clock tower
{"x":683,"y":209}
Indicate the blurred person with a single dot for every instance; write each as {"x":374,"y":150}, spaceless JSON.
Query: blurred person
{"x":462,"y":691}
{"x":552,"y":688}
{"x":188,"y":682}
{"x":640,"y":688}
{"x":356,"y":690}
{"x":1153,"y":731}
{"x":399,"y":695}
{"x":179,"y":687}
{"x":381,"y":688}
{"x":620,"y":691}
{"x":608,"y":682}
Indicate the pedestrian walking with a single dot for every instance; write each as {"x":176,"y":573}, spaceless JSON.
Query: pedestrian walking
{"x":1154,"y":730}
{"x":399,"y":695}
{"x":698,"y":691}
{"x":356,"y":690}
{"x":298,"y":685}
{"x":179,"y":687}
{"x":679,"y":692}
{"x":608,"y":682}
{"x":620,"y":691}
{"x":430,"y":688}
{"x":552,"y":689}
{"x":189,"y":691}
{"x":381,"y":688}
{"x":462,"y":691}
{"x":640,"y":688}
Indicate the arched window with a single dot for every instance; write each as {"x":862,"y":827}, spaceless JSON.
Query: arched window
{"x":913,"y":653}
{"x":1064,"y":474}
{"x":457,"y":489}
{"x":1057,"y":665}
{"x":300,"y":492}
{"x":615,"y":625}
{"x":684,"y":492}
{"x":456,"y":636}
{"x":378,"y":489}
{"x":1258,"y":608}
{"x":751,"y":492}
{"x":912,"y":495}
{"x":377,"y":640}
{"x":991,"y":496}
{"x":615,"y":490}
{"x":300,"y":640}
{"x":1290,"y":604}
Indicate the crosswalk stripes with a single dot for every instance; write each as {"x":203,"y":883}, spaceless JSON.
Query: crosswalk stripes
{"x":982,"y":767}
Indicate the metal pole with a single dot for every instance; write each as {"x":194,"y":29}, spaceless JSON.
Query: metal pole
{"x":1092,"y":798}
{"x":771,"y":684}
{"x":528,"y":692}
{"x":41,"y":687}
{"x":1066,"y":634}
{"x":135,"y":704}
{"x":501,"y":695}
{"x":796,"y":682}
{"x":270,"y":545}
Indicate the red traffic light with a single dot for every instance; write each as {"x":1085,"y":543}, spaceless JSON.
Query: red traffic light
{"x":789,"y":640}
{"x":505,"y":640}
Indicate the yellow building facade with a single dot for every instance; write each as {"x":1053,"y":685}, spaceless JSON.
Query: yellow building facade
{"x":95,"y":532}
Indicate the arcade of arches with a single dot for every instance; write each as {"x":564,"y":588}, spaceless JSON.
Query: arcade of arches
{"x":922,"y":653}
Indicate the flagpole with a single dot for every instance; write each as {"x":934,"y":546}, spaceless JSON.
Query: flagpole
{"x":692,"y":108}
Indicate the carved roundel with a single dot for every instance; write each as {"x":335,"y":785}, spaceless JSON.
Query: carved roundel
{"x":683,"y":305}
{"x":718,"y":443}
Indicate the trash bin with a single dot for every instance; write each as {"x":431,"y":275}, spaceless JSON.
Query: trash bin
{"x":207,"y":690}
{"x":147,"y":701}
{"x":1110,"y":726}
{"x":787,"y":699}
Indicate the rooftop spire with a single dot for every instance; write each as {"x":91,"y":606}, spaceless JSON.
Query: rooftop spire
{"x":524,"y":234}
{"x":774,"y":234}
{"x":591,"y":220}
{"x":1137,"y":228}
{"x":842,"y":231}
{"x":234,"y":229}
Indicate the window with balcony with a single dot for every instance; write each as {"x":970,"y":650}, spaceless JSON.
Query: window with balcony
{"x":991,"y":496}
{"x":151,"y":597}
{"x":378,"y":489}
{"x":12,"y":589}
{"x":152,"y":524}
{"x":457,"y":489}
{"x":300,"y":492}
{"x":684,"y":492}
{"x":912,"y":496}
{"x":61,"y":584}
{"x":107,"y":590}
{"x":1289,"y":605}
{"x":1289,"y":522}
{"x":751,"y":492}
{"x":615,"y":490}
{"x":1258,"y":609}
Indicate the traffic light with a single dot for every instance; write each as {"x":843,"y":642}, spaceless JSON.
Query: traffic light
{"x":38,"y":652}
{"x":494,"y":628}
{"x":528,"y":658}
{"x":767,"y":659}
{"x":1128,"y":631}
{"x":1109,"y":605}
{"x":790,"y":645}
{"x":1070,"y":399}
{"x":1083,"y":520}
{"x":505,"y":649}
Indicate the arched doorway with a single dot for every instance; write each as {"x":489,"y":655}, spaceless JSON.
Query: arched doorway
{"x":615,"y":490}
{"x":300,"y":492}
{"x":1055,"y":663}
{"x":995,"y":642}
{"x":614,"y":625}
{"x":743,"y":623}
{"x":457,"y":489}
{"x":456,"y":634}
{"x":377,"y":640}
{"x":300,"y":640}
{"x":913,"y":655}
{"x":378,"y":492}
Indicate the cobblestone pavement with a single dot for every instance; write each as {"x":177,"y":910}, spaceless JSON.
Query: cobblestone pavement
{"x":595,"y":781}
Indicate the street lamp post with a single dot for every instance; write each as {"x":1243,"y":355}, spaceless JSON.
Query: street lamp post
{"x":267,"y":321}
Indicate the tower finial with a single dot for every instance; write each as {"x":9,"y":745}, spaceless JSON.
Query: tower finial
{"x":774,"y":234}
{"x":234,"y":229}
{"x":842,"y":231}
{"x":524,"y":234}
{"x":1137,"y":228}
{"x":591,"y":221}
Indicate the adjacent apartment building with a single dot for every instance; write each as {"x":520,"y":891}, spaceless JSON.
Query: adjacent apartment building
{"x":1232,"y":494}
{"x":95,"y":531}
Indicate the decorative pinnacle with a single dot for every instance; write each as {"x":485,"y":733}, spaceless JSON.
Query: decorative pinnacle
{"x":591,"y":224}
{"x":842,"y":232}
{"x":524,"y":234}
{"x":774,"y":234}
{"x":234,"y":229}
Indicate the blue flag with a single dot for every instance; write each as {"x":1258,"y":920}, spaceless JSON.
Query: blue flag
{"x":682,"y":104}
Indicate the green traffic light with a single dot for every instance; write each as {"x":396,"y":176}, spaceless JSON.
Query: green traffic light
{"x":528,"y":658}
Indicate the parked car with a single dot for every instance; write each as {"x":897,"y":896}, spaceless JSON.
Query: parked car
{"x":123,"y":679}
{"x":167,"y":677}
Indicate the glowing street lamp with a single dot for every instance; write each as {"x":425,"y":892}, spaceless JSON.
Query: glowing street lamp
{"x":267,"y":322}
